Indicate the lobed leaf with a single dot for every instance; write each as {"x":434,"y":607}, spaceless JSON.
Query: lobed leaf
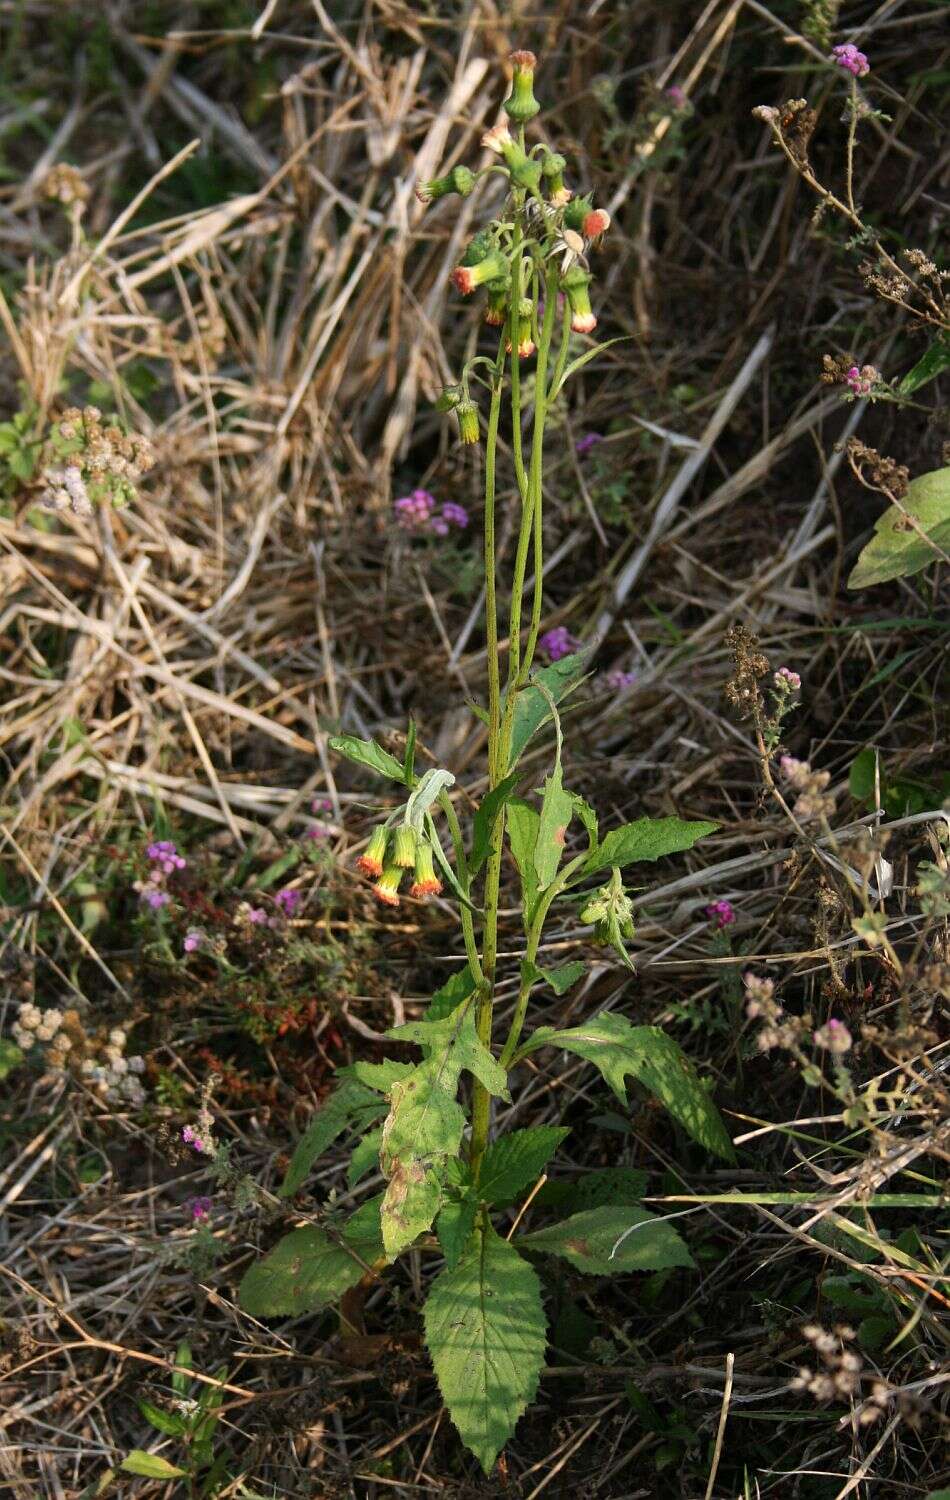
{"x":485,"y":1331}
{"x":652,"y":1057}
{"x":605,"y":1241}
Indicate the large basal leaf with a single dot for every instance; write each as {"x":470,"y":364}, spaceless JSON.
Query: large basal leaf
{"x":350,"y":1102}
{"x":606,"y":1241}
{"x":368,"y":753}
{"x":310,"y":1268}
{"x":485,"y":1331}
{"x":646,"y":839}
{"x":655,"y":1059}
{"x":896,"y":550}
{"x":516,"y":1161}
{"x":534,"y":709}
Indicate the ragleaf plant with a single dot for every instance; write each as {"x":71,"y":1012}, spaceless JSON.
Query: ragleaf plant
{"x":443,"y":1172}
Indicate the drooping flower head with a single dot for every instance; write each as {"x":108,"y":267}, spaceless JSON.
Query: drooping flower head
{"x":372,"y":860}
{"x":575,"y":283}
{"x":386,"y":889}
{"x":466,"y":278}
{"x":595,"y":224}
{"x":425,"y":882}
{"x":460,"y":180}
{"x":521,"y":105}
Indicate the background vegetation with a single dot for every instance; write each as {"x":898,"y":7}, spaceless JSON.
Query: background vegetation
{"x":251,"y":287}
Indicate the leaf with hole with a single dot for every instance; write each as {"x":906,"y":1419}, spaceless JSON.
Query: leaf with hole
{"x":485,"y":1332}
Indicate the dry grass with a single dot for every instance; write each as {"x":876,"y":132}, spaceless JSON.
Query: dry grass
{"x":192,"y":653}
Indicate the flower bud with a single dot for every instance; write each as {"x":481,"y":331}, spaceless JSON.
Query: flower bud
{"x":404,"y":850}
{"x":574,"y":284}
{"x":467,"y":413}
{"x":386,"y":888}
{"x":449,"y":399}
{"x":426,"y":882}
{"x":611,"y":913}
{"x":465,"y":278}
{"x":526,"y":344}
{"x":524,"y":172}
{"x":521,"y":105}
{"x":596,"y":223}
{"x":459,"y":180}
{"x":576,"y":212}
{"x":552,"y":170}
{"x":496,"y":313}
{"x":372,"y":860}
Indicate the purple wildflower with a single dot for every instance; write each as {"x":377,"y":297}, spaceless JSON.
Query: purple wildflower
{"x":166,"y":856}
{"x":721,"y":913}
{"x":191,"y":1138}
{"x":848,"y":57}
{"x":834,"y":1036}
{"x":861,"y":382}
{"x":618,"y":680}
{"x":456,"y":515}
{"x":590,"y":440}
{"x":787,"y":681}
{"x":200,"y":1209}
{"x":194,"y":940}
{"x":288,"y":900}
{"x":676,"y":96}
{"x":317,"y":831}
{"x":321,"y":804}
{"x":257,"y":916}
{"x":155,"y":899}
{"x":439,"y":526}
{"x":557,"y":643}
{"x":414,"y":512}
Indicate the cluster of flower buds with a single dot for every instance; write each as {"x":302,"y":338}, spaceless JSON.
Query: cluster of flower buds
{"x":390,"y":853}
{"x":86,"y":463}
{"x":814,"y":800}
{"x":563,"y":228}
{"x":847,"y":57}
{"x":611,"y":912}
{"x":164,"y":860}
{"x":116,"y":1078}
{"x":34,"y":1025}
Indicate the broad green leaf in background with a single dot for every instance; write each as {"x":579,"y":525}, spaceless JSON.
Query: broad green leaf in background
{"x":171,"y":1423}
{"x":516,"y":1161}
{"x":368,"y":753}
{"x":308,"y":1270}
{"x":646,"y":839}
{"x":611,"y":1186}
{"x":896,"y":550}
{"x":364,"y":1157}
{"x":351,"y":1101}
{"x":861,"y":777}
{"x":454,"y":1227}
{"x":560,"y":979}
{"x":931,"y":363}
{"x":523,"y":824}
{"x":485,"y":1331}
{"x":643,"y":1242}
{"x":10,"y":1057}
{"x":533,"y":708}
{"x":655,"y":1060}
{"x":150,"y":1466}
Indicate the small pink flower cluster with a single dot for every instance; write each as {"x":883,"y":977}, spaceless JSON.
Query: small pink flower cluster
{"x":861,"y":382}
{"x":557,"y":643}
{"x":200,"y":1209}
{"x":319,"y":830}
{"x":834,"y":1036}
{"x":191,"y":1138}
{"x":848,"y":57}
{"x":288,"y":900}
{"x":721,"y":913}
{"x":787,"y":681}
{"x":676,"y":96}
{"x":416,"y":512}
{"x":165,"y":861}
{"x":618,"y":680}
{"x":195,"y":940}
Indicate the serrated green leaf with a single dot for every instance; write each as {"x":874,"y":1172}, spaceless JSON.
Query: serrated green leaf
{"x":484,"y":821}
{"x":456,"y":989}
{"x":424,"y":1119}
{"x":533,"y":709}
{"x":308,"y":1269}
{"x":368,"y":753}
{"x":614,"y":1186}
{"x":896,"y":550}
{"x":607,"y":1241}
{"x":454,"y":1043}
{"x":168,"y":1422}
{"x":655,"y":1060}
{"x":516,"y":1161}
{"x":351,"y":1100}
{"x":563,"y":977}
{"x":150,"y":1466}
{"x":410,"y":1204}
{"x":455,"y":1226}
{"x":523,"y":824}
{"x":645,"y":839}
{"x":485,"y":1332}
